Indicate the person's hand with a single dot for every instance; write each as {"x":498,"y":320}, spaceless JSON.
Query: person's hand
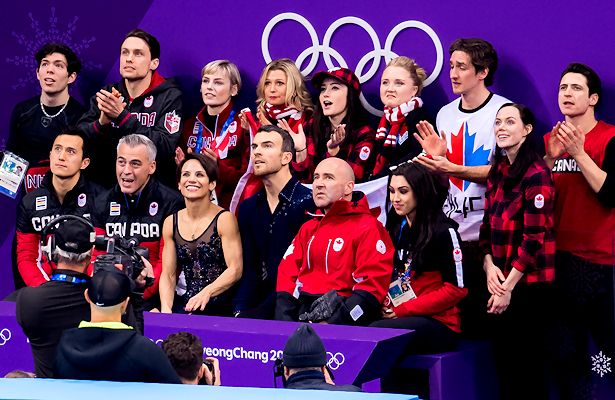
{"x":155,"y":310}
{"x":555,"y":148}
{"x":209,"y":153}
{"x":148,"y":272}
{"x":498,"y":304}
{"x":198,"y":301}
{"x":109,"y":103}
{"x":572,"y":138}
{"x":213,"y":378}
{"x":387,"y":312}
{"x":495,"y":277}
{"x":429,"y":139}
{"x":298,"y":137}
{"x":337,"y":137}
{"x":245,"y":125}
{"x":103,"y":119}
{"x":262,"y":118}
{"x":179,"y":155}
{"x":435,"y":163}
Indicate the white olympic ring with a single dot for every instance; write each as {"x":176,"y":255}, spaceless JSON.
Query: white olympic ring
{"x":316,"y":48}
{"x":5,"y":335}
{"x":335,"y":360}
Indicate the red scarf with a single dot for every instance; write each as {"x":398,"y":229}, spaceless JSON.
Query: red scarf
{"x":393,"y":120}
{"x":293,"y":116}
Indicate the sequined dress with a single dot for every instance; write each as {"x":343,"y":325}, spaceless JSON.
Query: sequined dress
{"x":202,"y":262}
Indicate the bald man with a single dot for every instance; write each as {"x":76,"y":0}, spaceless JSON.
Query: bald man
{"x":338,"y":268}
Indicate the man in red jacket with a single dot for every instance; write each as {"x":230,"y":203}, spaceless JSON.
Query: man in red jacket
{"x":338,"y":267}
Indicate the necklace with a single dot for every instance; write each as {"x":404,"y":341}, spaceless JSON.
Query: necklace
{"x":54,"y":115}
{"x":46,"y":120}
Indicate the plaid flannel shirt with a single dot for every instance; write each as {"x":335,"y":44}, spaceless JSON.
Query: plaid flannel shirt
{"x":517,"y":228}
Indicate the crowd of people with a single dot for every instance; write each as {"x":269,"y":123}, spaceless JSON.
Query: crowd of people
{"x":485,"y":235}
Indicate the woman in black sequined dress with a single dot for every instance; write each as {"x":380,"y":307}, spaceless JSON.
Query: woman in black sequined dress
{"x":201,"y":259}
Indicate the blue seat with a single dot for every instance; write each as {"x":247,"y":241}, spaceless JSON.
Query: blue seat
{"x":465,"y":374}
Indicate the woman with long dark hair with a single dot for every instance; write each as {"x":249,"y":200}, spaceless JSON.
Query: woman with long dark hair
{"x":517,"y":240}
{"x":202,"y":243}
{"x":428,"y":280}
{"x":340,"y":126}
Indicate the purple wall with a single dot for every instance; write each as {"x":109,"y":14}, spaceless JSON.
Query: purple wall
{"x":535,"y":41}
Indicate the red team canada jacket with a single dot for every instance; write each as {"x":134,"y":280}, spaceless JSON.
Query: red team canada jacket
{"x":348,"y":250}
{"x":231,"y":146}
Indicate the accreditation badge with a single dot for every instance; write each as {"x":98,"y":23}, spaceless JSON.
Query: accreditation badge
{"x":400,"y":291}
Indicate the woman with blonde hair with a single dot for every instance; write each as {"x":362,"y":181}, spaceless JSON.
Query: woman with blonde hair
{"x":400,"y":85}
{"x":216,"y":130}
{"x":283,"y":100}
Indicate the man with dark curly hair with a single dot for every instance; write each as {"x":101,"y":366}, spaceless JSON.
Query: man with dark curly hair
{"x":185,"y":351}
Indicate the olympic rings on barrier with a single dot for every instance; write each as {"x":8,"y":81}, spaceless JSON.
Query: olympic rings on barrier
{"x":5,"y":336}
{"x":335,"y":360}
{"x":329,"y":52}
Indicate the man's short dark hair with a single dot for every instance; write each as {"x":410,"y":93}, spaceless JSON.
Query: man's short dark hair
{"x":152,"y":42}
{"x":72,"y":131}
{"x":185,"y":351}
{"x":482,"y":54}
{"x":72,"y":61}
{"x":593,"y":80}
{"x":288,"y":144}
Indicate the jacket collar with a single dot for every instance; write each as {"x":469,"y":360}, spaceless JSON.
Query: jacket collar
{"x":222,"y":117}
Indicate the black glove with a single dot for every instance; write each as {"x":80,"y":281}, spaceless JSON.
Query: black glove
{"x":323,"y":307}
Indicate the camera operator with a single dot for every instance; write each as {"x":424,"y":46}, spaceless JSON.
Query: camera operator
{"x":185,"y":351}
{"x":304,"y":363}
{"x":45,"y":311}
{"x":105,"y":348}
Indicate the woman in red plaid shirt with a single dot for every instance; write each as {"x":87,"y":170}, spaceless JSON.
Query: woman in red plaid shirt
{"x":517,"y":239}
{"x":340,"y":127}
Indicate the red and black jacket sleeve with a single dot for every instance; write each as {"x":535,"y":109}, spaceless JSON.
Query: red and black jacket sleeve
{"x":438,"y":279}
{"x":32,"y":268}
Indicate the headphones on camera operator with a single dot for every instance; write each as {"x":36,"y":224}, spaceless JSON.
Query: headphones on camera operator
{"x":48,"y":243}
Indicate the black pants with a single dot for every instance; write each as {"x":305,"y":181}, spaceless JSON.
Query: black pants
{"x":430,"y":336}
{"x":586,"y":311}
{"x":520,"y":341}
{"x":473,"y":307}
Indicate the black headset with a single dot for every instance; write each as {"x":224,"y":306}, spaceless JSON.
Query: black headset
{"x":48,"y":243}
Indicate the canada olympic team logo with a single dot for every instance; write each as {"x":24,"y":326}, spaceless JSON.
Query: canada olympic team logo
{"x":329,"y":52}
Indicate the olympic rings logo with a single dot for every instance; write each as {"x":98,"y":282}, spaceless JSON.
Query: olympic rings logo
{"x":335,"y":360}
{"x":376,"y":54}
{"x":5,"y":336}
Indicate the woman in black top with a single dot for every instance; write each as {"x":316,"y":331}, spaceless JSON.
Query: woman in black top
{"x":201,"y":241}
